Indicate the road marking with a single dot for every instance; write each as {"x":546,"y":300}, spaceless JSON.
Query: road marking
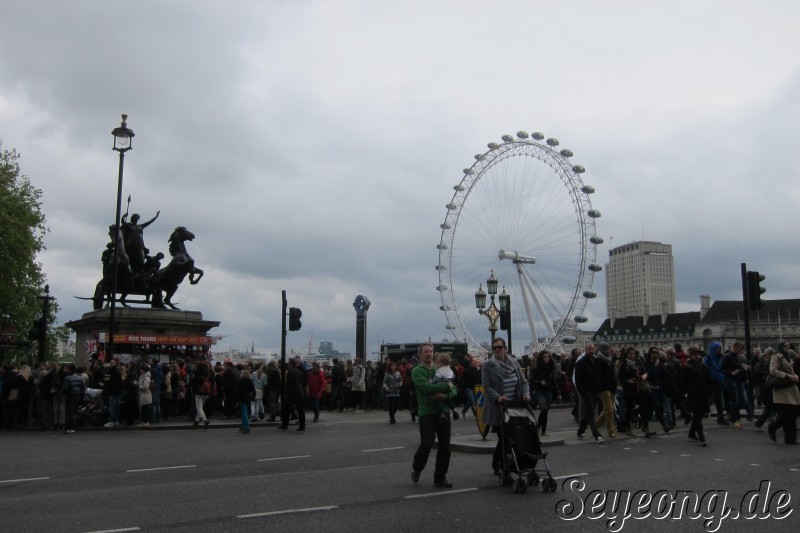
{"x":754,"y":464}
{"x":384,"y":449}
{"x":439,"y":493}
{"x":685,"y":455}
{"x":653,"y":451}
{"x":580,"y":474}
{"x":720,"y":460}
{"x":115,"y":530}
{"x":794,"y":470}
{"x":289,"y":511}
{"x":283,"y":458}
{"x":160,"y":468}
{"x":23,"y":479}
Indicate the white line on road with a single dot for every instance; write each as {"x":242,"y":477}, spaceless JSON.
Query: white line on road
{"x":24,"y":479}
{"x":581,"y":474}
{"x":289,"y":511}
{"x":160,"y":468}
{"x":384,"y":449}
{"x":283,"y":458}
{"x":115,"y":530}
{"x":439,"y":493}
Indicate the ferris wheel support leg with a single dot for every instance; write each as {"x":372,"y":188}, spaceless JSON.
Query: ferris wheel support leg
{"x":524,"y":289}
{"x":547,"y":322}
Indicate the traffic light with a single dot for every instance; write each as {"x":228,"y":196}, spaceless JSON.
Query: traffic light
{"x":755,"y":290}
{"x":39,"y":329}
{"x":294,"y":318}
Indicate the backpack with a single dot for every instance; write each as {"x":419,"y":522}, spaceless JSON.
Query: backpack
{"x":205,"y":388}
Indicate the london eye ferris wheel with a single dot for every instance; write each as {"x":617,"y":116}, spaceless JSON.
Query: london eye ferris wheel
{"x":522,"y":214}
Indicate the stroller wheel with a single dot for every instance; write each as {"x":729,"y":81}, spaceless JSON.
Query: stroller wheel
{"x":545,"y":487}
{"x":506,"y":479}
{"x":519,"y":486}
{"x":533,"y":479}
{"x":552,"y":484}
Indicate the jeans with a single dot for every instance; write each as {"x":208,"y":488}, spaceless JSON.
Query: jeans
{"x":766,"y":398}
{"x":257,"y":409}
{"x":731,"y":390}
{"x":243,"y":408}
{"x":469,"y":401}
{"x":113,"y":409}
{"x":337,"y":397}
{"x":587,"y":410}
{"x":394,"y":404}
{"x":432,"y":427}
{"x":70,"y":411}
{"x":315,"y":407}
{"x":717,"y":395}
{"x":745,"y":399}
{"x":155,"y":407}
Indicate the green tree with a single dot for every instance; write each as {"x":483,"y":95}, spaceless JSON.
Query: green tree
{"x":22,"y":230}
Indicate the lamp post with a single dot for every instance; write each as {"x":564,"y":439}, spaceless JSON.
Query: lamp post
{"x":492,"y":313}
{"x":505,"y":314}
{"x":44,"y":323}
{"x":123,"y":141}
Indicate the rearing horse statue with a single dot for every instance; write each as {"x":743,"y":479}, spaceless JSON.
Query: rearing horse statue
{"x":167,"y":279}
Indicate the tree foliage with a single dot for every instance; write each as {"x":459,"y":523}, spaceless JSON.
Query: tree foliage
{"x":22,"y":230}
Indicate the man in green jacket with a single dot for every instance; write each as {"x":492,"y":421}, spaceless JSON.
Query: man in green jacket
{"x":434,"y":418}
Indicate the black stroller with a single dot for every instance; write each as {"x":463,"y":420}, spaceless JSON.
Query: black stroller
{"x":91,"y":409}
{"x":522,"y":451}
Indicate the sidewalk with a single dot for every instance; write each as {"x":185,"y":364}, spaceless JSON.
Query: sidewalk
{"x":465,"y":437}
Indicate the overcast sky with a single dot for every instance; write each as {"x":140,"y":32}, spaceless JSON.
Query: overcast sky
{"x":312,"y":146}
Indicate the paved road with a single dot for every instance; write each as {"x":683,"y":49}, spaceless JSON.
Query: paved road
{"x":351,"y":473}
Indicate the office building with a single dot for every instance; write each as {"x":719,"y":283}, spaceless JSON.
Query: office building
{"x":640,"y":280}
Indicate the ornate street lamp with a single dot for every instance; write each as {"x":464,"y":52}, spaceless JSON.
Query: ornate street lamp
{"x":492,"y":313}
{"x":123,"y":141}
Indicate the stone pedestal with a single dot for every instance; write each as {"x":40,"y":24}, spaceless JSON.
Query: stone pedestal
{"x":140,"y":332}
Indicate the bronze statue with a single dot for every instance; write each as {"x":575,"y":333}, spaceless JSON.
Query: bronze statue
{"x":134,"y":240}
{"x":139,"y":273}
{"x":168,"y":278}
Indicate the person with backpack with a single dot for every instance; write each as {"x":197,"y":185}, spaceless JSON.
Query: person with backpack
{"x":73,"y":388}
{"x":201,"y":389}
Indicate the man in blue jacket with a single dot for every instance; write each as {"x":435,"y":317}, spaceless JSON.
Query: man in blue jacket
{"x":713,"y":360}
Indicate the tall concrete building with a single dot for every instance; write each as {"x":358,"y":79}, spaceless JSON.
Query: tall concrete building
{"x":640,"y":280}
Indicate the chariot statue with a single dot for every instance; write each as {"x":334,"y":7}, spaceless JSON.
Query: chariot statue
{"x":138,"y":272}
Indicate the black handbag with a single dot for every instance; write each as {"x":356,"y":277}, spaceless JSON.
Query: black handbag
{"x":779,"y":383}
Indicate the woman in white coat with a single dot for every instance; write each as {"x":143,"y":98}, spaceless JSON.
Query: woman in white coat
{"x":145,"y":396}
{"x":786,"y":399}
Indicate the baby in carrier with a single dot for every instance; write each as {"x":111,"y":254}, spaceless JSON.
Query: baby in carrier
{"x":445,"y":373}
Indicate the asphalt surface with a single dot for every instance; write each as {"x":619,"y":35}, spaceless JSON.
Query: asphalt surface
{"x":351,"y":471}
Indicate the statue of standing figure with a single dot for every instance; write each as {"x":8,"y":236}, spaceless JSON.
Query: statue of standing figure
{"x":133,"y":234}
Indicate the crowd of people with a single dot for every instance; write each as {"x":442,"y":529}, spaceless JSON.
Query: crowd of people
{"x":615,"y":389}
{"x":624,"y":389}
